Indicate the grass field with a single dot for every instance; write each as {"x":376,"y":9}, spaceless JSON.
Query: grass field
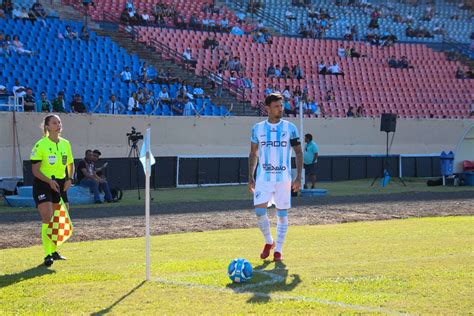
{"x":231,"y":193}
{"x":400,"y":266}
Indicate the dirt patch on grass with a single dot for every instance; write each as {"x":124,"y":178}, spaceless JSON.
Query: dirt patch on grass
{"x":22,"y":229}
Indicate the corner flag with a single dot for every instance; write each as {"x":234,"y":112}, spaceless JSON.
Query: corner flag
{"x":146,"y":148}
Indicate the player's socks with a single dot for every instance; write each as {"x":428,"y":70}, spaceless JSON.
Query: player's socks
{"x":46,"y":242}
{"x":282,"y":228}
{"x":264,"y":224}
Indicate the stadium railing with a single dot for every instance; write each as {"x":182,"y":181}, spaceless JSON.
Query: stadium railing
{"x":281,"y":25}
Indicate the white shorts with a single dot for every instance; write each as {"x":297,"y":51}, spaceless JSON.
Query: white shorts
{"x":278,"y":193}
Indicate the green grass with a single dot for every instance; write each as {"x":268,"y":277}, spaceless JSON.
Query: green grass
{"x":415,"y":266}
{"x":232,"y":193}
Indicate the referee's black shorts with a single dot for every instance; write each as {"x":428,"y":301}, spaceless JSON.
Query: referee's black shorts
{"x":310,"y":169}
{"x":42,"y":192}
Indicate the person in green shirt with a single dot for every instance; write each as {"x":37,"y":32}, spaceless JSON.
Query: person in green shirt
{"x":52,"y":166}
{"x":59,"y":105}
{"x":310,"y":160}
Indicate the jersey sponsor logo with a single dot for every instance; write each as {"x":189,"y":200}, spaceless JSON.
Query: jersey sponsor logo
{"x":52,"y":159}
{"x":274,"y":143}
{"x":41,"y":197}
{"x":270,"y":167}
{"x":64,"y":159}
{"x":257,"y":194}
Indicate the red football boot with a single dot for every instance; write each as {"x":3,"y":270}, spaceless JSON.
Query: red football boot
{"x":277,"y":256}
{"x":266,"y":250}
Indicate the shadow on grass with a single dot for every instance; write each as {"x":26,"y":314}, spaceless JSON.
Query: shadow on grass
{"x":109,"y":309}
{"x":261,"y":291}
{"x":9,"y":279}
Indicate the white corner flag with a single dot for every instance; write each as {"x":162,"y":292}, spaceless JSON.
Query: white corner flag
{"x":146,"y":148}
{"x":147,"y":160}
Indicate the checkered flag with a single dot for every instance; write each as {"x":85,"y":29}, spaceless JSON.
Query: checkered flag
{"x":60,"y":225}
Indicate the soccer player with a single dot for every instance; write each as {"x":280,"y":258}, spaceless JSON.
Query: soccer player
{"x":270,"y":147}
{"x":52,"y":166}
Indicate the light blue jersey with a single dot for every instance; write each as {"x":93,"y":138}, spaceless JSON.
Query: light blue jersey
{"x":274,"y":150}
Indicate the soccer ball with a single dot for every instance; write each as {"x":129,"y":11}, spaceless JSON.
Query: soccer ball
{"x":240,"y":270}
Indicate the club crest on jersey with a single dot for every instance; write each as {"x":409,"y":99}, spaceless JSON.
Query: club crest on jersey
{"x":64,"y":159}
{"x":283,"y":134}
{"x":257,"y":194}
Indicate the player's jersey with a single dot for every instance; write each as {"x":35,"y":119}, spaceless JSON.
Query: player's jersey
{"x":54,"y":157}
{"x":274,"y":150}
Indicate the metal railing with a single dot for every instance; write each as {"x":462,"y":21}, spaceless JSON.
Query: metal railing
{"x":168,"y":53}
{"x":451,"y":45}
{"x":260,"y":13}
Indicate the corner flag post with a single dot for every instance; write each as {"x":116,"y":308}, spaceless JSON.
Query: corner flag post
{"x":147,"y":160}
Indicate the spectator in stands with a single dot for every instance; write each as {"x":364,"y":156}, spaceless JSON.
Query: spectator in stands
{"x":288,"y":108}
{"x":39,"y":10}
{"x":341,"y":52}
{"x":17,"y":14}
{"x":290,"y":15}
{"x":218,"y":79}
{"x":211,"y":43}
{"x":286,"y":93}
{"x":29,"y":104}
{"x":45,"y":104}
{"x":164,"y":96}
{"x":129,"y":5}
{"x":177,"y":107}
{"x":32,"y":16}
{"x":77,"y":106}
{"x":268,"y":90}
{"x":133,"y":104}
{"x":348,"y":34}
{"x":236,"y":65}
{"x":360,"y":112}
{"x":236,"y":30}
{"x":188,"y":58}
{"x":354,"y":54}
{"x":271,"y":71}
{"x":335,"y":70}
{"x":87,"y":177}
{"x":349,"y":112}
{"x":84,"y":34}
{"x":297,"y":72}
{"x":4,"y":47}
{"x":198,"y":92}
{"x":224,"y":24}
{"x":144,"y":74}
{"x":189,"y":108}
{"x":315,"y":109}
{"x":2,"y":13}
{"x":297,"y":92}
{"x":70,"y":33}
{"x":388,"y":39}
{"x":59,"y":104}
{"x":392,"y":62}
{"x":259,"y":37}
{"x":330,"y":95}
{"x":125,"y":17}
{"x":460,"y":73}
{"x":439,"y":29}
{"x":17,"y":46}
{"x":404,"y":64}
{"x":277,"y":71}
{"x":19,"y":91}
{"x":429,"y":13}
{"x":7,"y":6}
{"x":126,"y":76}
{"x":285,"y":71}
{"x":113,"y":106}
{"x":145,"y":18}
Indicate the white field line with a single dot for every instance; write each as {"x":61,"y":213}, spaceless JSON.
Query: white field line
{"x":274,"y":278}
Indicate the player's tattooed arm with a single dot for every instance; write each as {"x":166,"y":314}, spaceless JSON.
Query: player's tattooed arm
{"x":299,"y":167}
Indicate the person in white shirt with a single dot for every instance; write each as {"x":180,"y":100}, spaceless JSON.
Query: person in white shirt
{"x":290,"y":15}
{"x":287,"y":93}
{"x":341,"y":52}
{"x":164,"y":96}
{"x":18,"y":90}
{"x":189,"y":108}
{"x":335,"y":70}
{"x":126,"y":75}
{"x":113,"y":106}
{"x":187,"y":57}
{"x":133,"y":104}
{"x":145,"y":17}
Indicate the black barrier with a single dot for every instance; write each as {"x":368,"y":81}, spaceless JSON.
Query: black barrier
{"x":123,"y":172}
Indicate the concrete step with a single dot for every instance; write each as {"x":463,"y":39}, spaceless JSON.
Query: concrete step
{"x":76,"y":195}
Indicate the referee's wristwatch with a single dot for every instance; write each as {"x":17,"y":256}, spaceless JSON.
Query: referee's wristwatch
{"x":68,"y":179}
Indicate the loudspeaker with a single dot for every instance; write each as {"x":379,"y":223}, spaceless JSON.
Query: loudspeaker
{"x":388,"y":123}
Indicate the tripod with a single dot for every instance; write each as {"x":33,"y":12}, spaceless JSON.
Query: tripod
{"x":133,"y":154}
{"x":386,"y":164}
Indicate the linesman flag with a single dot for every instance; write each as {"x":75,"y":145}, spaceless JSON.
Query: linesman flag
{"x":146,"y":148}
{"x":60,"y":226}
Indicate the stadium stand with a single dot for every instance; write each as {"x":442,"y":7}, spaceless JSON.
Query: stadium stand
{"x":454,"y":19}
{"x":88,"y":68}
{"x":429,"y":89}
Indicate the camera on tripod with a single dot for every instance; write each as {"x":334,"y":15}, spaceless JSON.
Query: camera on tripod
{"x":134,"y":136}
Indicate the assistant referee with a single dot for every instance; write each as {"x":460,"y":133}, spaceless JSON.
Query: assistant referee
{"x":52,"y":166}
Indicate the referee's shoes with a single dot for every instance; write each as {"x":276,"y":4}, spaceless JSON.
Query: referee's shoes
{"x":48,"y":261}
{"x":57,"y":256}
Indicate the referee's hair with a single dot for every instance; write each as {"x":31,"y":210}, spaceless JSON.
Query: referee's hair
{"x":46,"y":123}
{"x":273,"y":97}
{"x":309,"y":136}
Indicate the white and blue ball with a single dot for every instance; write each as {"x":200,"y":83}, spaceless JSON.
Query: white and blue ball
{"x":240,"y":270}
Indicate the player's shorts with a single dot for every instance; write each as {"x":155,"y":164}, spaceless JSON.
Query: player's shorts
{"x":277,"y":193}
{"x":310,"y":169}
{"x":42,"y":192}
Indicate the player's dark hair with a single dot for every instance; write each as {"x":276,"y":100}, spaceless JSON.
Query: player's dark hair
{"x":309,"y":136}
{"x":273,"y":97}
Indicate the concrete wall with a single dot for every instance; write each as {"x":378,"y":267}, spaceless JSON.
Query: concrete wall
{"x":464,"y":150}
{"x":172,"y":136}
